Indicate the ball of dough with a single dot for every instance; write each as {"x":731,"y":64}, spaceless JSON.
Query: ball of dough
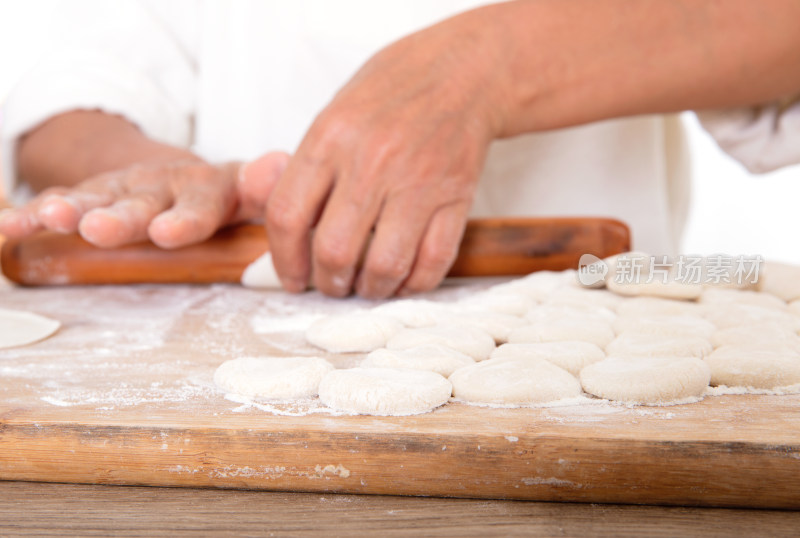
{"x":571,"y":356}
{"x":595,"y":332}
{"x":415,"y":312}
{"x":636,"y":345}
{"x":278,"y":378}
{"x":755,"y":366}
{"x":514,"y":382}
{"x":384,"y":391}
{"x":435,"y":358}
{"x":665,"y":326}
{"x":350,"y":333}
{"x":471,"y":341}
{"x":653,"y":380}
{"x":20,"y":328}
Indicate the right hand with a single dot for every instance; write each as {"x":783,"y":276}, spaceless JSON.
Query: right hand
{"x":173,"y":204}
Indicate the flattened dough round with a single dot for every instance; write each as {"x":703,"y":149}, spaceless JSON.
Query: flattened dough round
{"x":725,"y":296}
{"x":665,"y":326}
{"x":738,"y":315}
{"x":433,"y":357}
{"x":514,"y":304}
{"x":471,"y":341}
{"x":757,"y":333}
{"x":498,"y":325}
{"x":657,"y":306}
{"x":278,"y":378}
{"x":415,"y":312}
{"x":19,"y":328}
{"x":637,"y":345}
{"x":654,"y":380}
{"x":758,"y":366}
{"x":570,"y":312}
{"x":595,"y":332}
{"x":571,"y":356}
{"x":352,"y":333}
{"x":514,"y":382}
{"x":384,"y":391}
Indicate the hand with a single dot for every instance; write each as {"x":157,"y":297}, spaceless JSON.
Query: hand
{"x":399,"y":151}
{"x":173,"y":204}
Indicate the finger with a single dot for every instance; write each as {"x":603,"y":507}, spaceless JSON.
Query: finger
{"x":24,"y":221}
{"x":438,"y":249}
{"x":292,"y":209}
{"x":398,"y":234}
{"x":19,"y":222}
{"x":126,"y":220}
{"x":256,"y":181}
{"x":62,"y":211}
{"x":199,"y":211}
{"x":341,"y":236}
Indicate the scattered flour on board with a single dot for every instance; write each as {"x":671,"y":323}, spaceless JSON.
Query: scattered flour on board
{"x":103,"y":357}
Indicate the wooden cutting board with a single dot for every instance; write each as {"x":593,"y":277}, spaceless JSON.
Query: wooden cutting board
{"x":123,"y":394}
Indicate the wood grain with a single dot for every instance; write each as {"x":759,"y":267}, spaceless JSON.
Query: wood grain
{"x":456,"y":451}
{"x":28,"y":509}
{"x":489,"y":247}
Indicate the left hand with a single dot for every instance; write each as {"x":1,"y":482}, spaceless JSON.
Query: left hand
{"x":399,"y":151}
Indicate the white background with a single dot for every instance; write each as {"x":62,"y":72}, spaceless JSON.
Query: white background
{"x":732,"y":211}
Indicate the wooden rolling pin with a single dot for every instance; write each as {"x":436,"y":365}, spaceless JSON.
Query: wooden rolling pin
{"x":490,"y":247}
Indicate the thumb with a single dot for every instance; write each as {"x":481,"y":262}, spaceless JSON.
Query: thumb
{"x":256,"y":180}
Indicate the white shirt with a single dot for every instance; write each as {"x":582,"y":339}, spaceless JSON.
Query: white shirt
{"x":234,"y":79}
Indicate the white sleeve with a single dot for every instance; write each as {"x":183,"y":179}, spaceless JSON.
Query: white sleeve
{"x":127,"y":57}
{"x":762,"y":138}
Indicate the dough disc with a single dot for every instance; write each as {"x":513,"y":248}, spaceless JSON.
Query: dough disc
{"x":279,"y":378}
{"x":571,"y":356}
{"x":514,"y":382}
{"x":471,"y":341}
{"x":434,"y":358}
{"x":637,"y":345}
{"x":352,"y":333}
{"x":756,"y":366}
{"x":595,"y":332}
{"x":654,"y":380}
{"x":384,"y":391}
{"x":19,"y":328}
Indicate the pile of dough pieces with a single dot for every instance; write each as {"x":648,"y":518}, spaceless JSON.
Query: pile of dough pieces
{"x":543,"y":339}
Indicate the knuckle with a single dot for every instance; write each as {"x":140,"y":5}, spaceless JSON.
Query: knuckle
{"x":283,"y":216}
{"x":388,"y":268}
{"x":437,"y":258}
{"x":422,"y":282}
{"x":333,"y":256}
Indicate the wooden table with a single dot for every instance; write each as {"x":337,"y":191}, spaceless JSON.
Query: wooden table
{"x":28,"y":509}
